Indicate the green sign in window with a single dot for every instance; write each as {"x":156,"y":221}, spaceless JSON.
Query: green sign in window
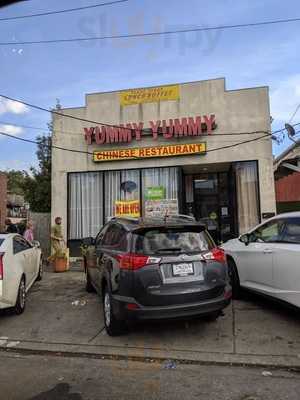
{"x":155,"y":193}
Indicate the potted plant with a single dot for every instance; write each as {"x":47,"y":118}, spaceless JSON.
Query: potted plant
{"x":59,"y":260}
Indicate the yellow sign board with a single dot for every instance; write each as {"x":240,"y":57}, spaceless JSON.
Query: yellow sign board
{"x":149,"y":152}
{"x":149,"y":95}
{"x":127,"y":209}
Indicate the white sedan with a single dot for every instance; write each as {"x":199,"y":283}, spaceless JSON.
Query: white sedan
{"x":21,"y":265}
{"x":267,"y":259}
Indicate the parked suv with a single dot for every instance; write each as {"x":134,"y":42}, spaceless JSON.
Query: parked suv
{"x":155,"y":269}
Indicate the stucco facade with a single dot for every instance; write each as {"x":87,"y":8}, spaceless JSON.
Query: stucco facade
{"x":236,"y":111}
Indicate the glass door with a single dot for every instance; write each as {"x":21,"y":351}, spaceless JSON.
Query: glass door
{"x":206,"y":203}
{"x":210,"y":199}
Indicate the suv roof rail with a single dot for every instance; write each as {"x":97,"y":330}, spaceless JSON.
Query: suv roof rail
{"x":181,"y":216}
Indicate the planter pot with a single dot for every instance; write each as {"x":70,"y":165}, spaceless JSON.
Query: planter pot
{"x":60,"y":265}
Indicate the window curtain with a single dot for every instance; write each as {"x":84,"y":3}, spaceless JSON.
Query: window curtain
{"x":120,"y":185}
{"x":166,"y":177}
{"x":247,"y":195}
{"x":85,"y":204}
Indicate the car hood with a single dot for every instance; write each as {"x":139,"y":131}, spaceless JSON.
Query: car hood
{"x":228,"y":245}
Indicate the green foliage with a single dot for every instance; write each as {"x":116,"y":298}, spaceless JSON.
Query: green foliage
{"x":37,"y":186}
{"x":16,"y":181}
{"x":59,"y":253}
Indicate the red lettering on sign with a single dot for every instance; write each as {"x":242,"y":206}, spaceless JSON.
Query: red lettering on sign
{"x":112,"y":134}
{"x":168,"y":134}
{"x":181,"y":129}
{"x":194,"y":125}
{"x":209,"y":121}
{"x":138,"y":130}
{"x":178,"y":127}
{"x":99,"y":135}
{"x":88,"y":135}
{"x":154,"y":126}
{"x":125,"y":134}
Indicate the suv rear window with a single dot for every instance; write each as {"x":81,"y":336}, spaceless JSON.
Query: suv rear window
{"x":168,"y":241}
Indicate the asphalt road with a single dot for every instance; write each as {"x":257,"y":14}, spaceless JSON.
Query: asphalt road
{"x":28,"y":377}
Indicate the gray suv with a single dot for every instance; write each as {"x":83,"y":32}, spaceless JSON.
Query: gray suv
{"x":155,"y":269}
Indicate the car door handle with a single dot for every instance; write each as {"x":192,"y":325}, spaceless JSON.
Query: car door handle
{"x":268,"y":251}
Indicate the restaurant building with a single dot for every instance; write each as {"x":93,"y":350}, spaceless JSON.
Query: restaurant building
{"x":191,"y":148}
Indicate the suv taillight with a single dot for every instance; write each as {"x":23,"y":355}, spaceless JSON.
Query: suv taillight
{"x":216,"y":254}
{"x":133,"y":262}
{"x":1,"y":266}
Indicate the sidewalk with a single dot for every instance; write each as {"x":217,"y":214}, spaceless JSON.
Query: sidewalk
{"x":61,"y":317}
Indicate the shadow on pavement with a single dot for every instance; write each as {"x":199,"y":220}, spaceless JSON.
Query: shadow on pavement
{"x":59,"y":392}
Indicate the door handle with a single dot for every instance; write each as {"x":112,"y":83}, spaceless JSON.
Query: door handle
{"x":268,"y":251}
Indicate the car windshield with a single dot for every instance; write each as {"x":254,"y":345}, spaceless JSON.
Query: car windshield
{"x":1,"y":241}
{"x":164,"y":241}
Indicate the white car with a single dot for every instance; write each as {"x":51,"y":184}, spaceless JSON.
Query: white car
{"x":21,"y":264}
{"x":267,"y":259}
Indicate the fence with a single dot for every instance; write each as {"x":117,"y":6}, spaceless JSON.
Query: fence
{"x":42,"y":229}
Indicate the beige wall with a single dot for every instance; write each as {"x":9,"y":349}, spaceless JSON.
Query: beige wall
{"x":245,"y":110}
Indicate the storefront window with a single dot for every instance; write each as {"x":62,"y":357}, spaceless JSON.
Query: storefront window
{"x":122,"y":193}
{"x":160,"y":191}
{"x":85,"y":204}
{"x":247,"y":195}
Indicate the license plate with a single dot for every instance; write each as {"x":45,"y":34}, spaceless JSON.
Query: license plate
{"x":183,"y":269}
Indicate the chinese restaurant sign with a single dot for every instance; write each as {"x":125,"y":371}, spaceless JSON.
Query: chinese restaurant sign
{"x":127,"y":208}
{"x":169,"y":129}
{"x":148,"y":95}
{"x":149,"y":152}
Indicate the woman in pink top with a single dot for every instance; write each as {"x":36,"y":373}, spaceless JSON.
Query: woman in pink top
{"x":28,"y":234}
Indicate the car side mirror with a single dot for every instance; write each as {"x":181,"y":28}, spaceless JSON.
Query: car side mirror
{"x":245,"y":239}
{"x":89,"y":241}
{"x":36,"y":243}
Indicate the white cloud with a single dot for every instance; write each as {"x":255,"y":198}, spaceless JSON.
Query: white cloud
{"x":11,"y":130}
{"x":285,"y":98}
{"x":14,"y":107}
{"x":6,"y":165}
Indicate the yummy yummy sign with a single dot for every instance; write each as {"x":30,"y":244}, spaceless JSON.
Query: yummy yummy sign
{"x":171,"y":128}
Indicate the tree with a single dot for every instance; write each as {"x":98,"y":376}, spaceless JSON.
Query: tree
{"x":37,"y":186}
{"x":15,"y":181}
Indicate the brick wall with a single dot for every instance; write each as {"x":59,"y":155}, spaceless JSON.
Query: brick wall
{"x":3,"y":200}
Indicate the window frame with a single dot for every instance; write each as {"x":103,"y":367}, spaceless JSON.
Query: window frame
{"x":116,"y":247}
{"x":20,"y":241}
{"x":287,"y":220}
{"x":254,"y":238}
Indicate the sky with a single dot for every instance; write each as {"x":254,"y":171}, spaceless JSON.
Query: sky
{"x":41,"y":74}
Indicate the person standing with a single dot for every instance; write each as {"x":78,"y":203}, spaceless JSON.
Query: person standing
{"x":28,"y":234}
{"x":11,"y":228}
{"x":57,"y":240}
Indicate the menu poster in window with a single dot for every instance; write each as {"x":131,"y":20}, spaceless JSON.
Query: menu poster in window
{"x":160,"y":208}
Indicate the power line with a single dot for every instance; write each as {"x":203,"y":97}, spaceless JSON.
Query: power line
{"x":62,"y":11}
{"x":78,"y":118}
{"x":90,"y":153}
{"x":147,"y":34}
{"x":294,"y":114}
{"x":79,"y":133}
{"x":118,"y":126}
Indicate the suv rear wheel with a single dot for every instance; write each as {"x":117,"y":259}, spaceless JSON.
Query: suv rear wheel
{"x":113,"y":326}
